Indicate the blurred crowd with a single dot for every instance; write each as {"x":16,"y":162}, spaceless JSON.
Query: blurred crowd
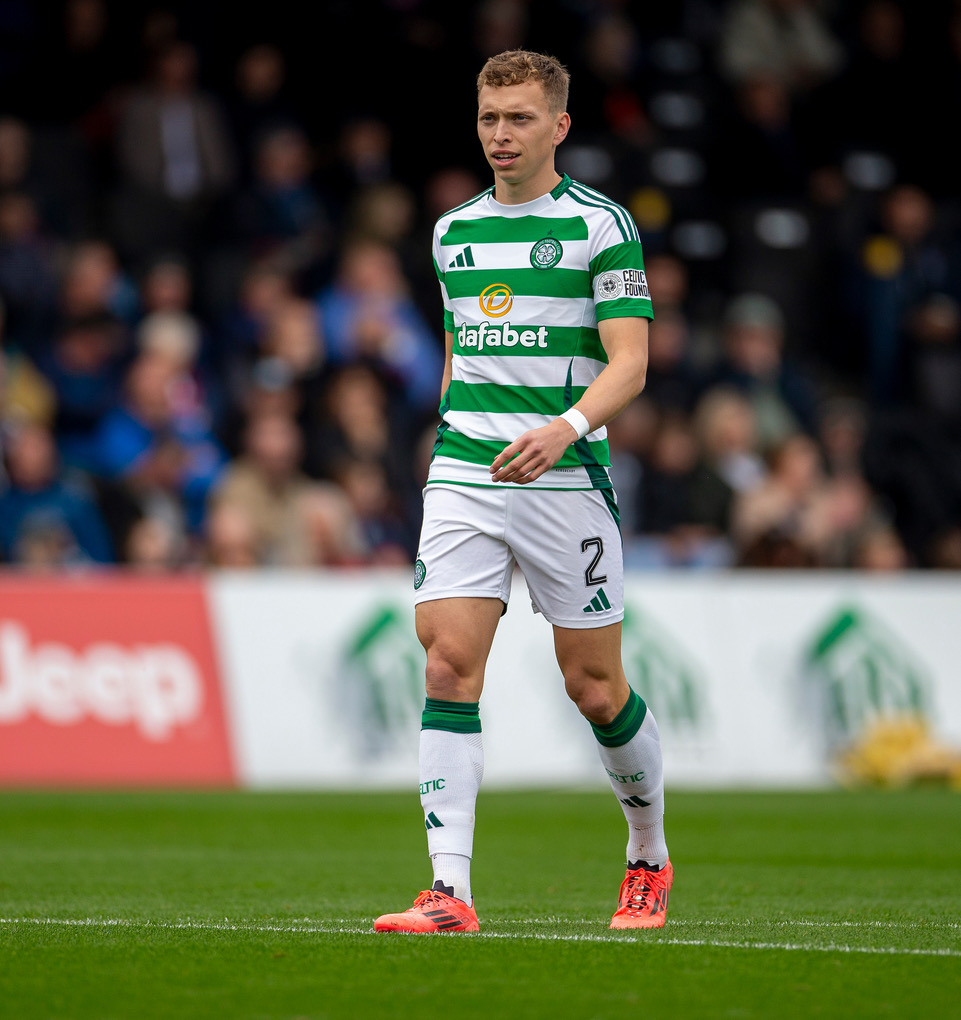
{"x":222,"y":336}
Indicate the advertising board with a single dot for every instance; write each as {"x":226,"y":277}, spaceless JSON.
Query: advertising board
{"x":107,"y":680}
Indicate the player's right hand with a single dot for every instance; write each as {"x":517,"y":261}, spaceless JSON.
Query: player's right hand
{"x":533,"y":453}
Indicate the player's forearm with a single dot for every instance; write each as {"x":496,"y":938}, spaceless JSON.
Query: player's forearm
{"x":625,"y":343}
{"x":618,"y":384}
{"x":536,"y":451}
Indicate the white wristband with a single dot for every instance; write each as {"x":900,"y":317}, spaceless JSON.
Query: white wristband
{"x":577,"y":422}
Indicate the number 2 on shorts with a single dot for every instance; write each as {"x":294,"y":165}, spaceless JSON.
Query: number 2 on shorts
{"x":598,"y":545}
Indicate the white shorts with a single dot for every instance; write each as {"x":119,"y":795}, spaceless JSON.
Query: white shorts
{"x":566,"y":541}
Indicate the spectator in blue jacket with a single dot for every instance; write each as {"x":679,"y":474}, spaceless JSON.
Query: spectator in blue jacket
{"x":368,"y":314}
{"x":159,"y":445}
{"x":46,"y":508}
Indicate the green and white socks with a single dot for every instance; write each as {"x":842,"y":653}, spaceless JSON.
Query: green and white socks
{"x":452,"y":766}
{"x":630,"y":751}
{"x":451,"y":769}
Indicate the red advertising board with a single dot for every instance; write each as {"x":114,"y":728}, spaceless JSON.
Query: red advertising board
{"x":109,"y":681}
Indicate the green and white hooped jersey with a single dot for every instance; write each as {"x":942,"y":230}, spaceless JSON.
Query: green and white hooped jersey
{"x":524,"y":287}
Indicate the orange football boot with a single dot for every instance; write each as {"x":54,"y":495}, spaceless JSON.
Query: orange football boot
{"x":643,"y":899}
{"x":432,"y":911}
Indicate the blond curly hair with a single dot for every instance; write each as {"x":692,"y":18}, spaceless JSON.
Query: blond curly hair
{"x":513,"y":67}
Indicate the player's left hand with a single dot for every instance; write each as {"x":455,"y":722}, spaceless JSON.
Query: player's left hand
{"x":533,"y":453}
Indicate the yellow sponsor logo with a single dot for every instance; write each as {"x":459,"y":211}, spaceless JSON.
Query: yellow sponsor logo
{"x":496,"y":300}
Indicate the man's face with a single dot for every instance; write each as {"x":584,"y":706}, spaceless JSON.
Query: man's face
{"x":518,"y":130}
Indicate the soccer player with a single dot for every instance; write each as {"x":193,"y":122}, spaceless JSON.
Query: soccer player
{"x":546,"y":311}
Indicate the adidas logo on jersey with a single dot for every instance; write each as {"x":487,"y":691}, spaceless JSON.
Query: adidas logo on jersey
{"x":599,"y":604}
{"x":465,"y":260}
{"x":488,"y":335}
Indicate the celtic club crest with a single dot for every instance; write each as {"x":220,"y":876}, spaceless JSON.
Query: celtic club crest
{"x":546,"y":253}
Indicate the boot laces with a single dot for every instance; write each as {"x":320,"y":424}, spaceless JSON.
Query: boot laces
{"x":637,"y":888}
{"x":428,"y":896}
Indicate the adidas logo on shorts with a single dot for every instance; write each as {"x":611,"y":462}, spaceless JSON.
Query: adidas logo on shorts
{"x":599,"y":604}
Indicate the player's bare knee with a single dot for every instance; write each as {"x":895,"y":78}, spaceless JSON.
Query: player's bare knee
{"x":594,"y":699}
{"x":449,"y":677}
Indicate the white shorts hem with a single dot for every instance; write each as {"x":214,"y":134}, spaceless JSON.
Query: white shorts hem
{"x":584,"y":622}
{"x":460,"y":593}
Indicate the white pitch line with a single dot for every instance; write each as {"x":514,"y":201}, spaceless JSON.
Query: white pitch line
{"x":865,"y":925}
{"x":124,"y":922}
{"x":737,"y":923}
{"x":93,"y":922}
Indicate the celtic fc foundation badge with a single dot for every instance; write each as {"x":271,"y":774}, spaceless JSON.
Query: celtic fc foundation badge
{"x":546,"y":253}
{"x":609,"y":286}
{"x":420,"y":572}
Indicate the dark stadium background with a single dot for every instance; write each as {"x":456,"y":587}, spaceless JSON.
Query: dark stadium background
{"x":798,"y":204}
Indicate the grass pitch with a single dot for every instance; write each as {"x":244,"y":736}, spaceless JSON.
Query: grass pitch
{"x":234,"y":905}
